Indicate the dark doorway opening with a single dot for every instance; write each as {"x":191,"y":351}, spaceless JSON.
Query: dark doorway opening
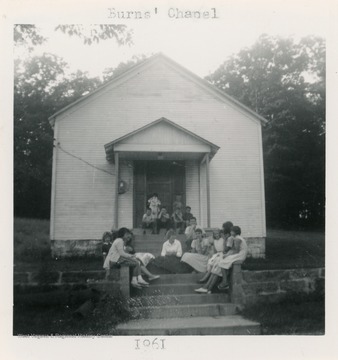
{"x":166,"y":178}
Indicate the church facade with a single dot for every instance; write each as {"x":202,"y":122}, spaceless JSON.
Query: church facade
{"x":155,"y":128}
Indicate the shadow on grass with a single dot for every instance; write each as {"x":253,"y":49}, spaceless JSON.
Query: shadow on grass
{"x":62,"y":320}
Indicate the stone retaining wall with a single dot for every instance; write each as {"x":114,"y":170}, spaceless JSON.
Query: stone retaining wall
{"x":272,"y":285}
{"x":265,"y":285}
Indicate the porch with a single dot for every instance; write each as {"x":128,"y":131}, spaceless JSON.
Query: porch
{"x":159,"y":153}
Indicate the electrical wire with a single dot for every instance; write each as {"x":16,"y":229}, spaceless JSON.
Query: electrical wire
{"x":84,"y":161}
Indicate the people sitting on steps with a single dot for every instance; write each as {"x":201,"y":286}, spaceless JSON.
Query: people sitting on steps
{"x":163,"y":220}
{"x":170,"y":260}
{"x":177,"y":221}
{"x":149,"y":222}
{"x":143,"y":257}
{"x":190,"y":233}
{"x":118,"y":255}
{"x":187,"y":216}
{"x":201,"y":251}
{"x":213,"y":255}
{"x":218,"y":251}
{"x":238,"y":252}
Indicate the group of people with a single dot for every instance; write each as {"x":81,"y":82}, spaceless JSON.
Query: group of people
{"x":157,"y":216}
{"x":117,"y":249}
{"x":213,"y":256}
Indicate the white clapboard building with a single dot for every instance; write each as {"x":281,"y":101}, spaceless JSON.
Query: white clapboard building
{"x":155,"y":128}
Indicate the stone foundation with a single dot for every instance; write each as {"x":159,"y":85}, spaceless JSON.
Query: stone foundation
{"x":256,"y":247}
{"x":69,"y":248}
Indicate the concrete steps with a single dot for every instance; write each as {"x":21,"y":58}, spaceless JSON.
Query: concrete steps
{"x":170,"y":306}
{"x":199,"y":325}
{"x":185,"y":311}
{"x":184,"y":299}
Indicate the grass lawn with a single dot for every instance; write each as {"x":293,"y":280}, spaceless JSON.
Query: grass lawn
{"x":284,"y":250}
{"x":297,"y":314}
{"x":290,"y":249}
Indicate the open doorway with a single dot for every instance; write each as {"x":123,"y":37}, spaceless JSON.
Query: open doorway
{"x":166,"y":178}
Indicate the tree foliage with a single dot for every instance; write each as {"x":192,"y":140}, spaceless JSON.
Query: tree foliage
{"x":41,"y":87}
{"x":97,"y":33}
{"x":29,"y":35}
{"x":284,"y":81}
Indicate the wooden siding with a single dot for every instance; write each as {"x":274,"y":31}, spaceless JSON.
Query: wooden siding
{"x":84,"y":196}
{"x":192,"y":188}
{"x":162,"y":134}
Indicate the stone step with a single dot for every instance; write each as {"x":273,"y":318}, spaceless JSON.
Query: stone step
{"x":167,"y":289}
{"x":200,"y":325}
{"x":183,"y":299}
{"x":179,"y":311}
{"x":177,"y":279}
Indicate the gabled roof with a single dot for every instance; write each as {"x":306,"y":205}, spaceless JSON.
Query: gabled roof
{"x":109,"y":148}
{"x":145,"y":63}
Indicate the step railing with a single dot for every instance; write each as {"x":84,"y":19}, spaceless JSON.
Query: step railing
{"x":237,"y":295}
{"x":121,"y":274}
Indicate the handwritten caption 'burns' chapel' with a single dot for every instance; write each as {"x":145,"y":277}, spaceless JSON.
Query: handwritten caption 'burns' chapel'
{"x":172,"y":13}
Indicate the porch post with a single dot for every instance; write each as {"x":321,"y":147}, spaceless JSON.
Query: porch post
{"x":116,"y":204}
{"x":208,"y":189}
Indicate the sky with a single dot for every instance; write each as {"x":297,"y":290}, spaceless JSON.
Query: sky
{"x":200,"y":45}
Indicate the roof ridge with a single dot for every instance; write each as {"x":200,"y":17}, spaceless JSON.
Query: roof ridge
{"x":142,"y":63}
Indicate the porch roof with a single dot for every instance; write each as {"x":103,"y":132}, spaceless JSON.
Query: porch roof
{"x":161,"y":139}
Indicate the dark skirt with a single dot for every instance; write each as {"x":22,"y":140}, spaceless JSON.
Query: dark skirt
{"x":168,"y":265}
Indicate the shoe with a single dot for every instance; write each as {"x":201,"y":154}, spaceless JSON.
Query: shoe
{"x":151,"y":278}
{"x":223,"y":287}
{"x":142,"y":282}
{"x":136,"y":285}
{"x":202,"y":290}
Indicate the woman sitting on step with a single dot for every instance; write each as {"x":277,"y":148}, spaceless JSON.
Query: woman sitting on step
{"x":221,"y":269}
{"x":144,"y":259}
{"x":201,"y":250}
{"x":218,"y":253}
{"x":119,"y":256}
{"x":170,"y":260}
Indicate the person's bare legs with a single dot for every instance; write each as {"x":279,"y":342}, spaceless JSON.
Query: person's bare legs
{"x":146,"y":272}
{"x":206,"y":288}
{"x":213,"y":280}
{"x":224,"y":283}
{"x":205,"y":277}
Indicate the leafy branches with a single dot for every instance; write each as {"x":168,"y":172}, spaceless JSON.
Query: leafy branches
{"x":96,"y":33}
{"x":284,"y":81}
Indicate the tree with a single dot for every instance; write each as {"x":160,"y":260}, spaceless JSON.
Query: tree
{"x":29,"y":35}
{"x":40,"y":89}
{"x":110,"y":73}
{"x":284,"y":81}
{"x":96,"y":33}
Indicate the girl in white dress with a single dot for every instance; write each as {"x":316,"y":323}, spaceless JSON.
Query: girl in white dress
{"x":237,"y":253}
{"x":200,"y":251}
{"x":219,"y":248}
